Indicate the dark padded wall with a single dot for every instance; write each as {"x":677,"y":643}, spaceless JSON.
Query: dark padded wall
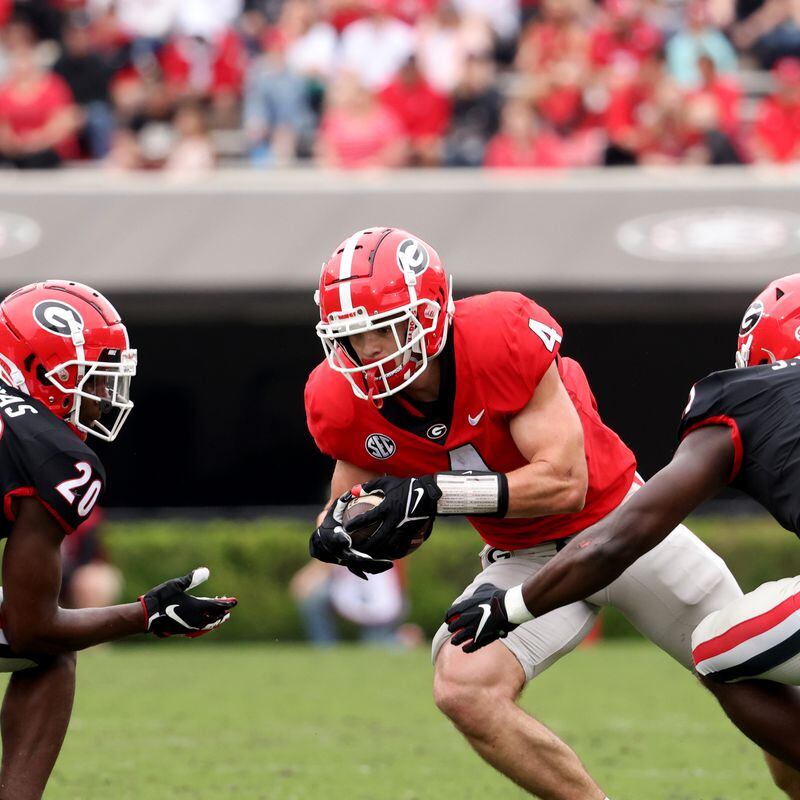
{"x":219,"y":418}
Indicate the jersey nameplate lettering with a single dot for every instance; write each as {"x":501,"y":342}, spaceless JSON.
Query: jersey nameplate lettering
{"x":13,"y":406}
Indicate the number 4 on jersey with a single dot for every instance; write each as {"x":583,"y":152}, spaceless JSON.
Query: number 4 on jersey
{"x":548,"y":335}
{"x":87,"y":499}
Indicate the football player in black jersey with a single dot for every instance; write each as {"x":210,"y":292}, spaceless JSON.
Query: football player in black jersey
{"x":65,"y":371}
{"x":741,"y":427}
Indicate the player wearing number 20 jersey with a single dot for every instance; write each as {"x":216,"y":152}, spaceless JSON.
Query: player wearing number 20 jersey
{"x":65,"y":371}
{"x":40,"y":456}
{"x":500,"y":346}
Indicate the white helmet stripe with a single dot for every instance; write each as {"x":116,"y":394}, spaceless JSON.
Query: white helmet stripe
{"x":345,"y":270}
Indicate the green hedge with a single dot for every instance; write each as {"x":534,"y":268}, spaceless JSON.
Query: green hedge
{"x":256,"y":559}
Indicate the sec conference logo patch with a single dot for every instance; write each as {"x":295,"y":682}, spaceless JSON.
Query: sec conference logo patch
{"x":380,"y":446}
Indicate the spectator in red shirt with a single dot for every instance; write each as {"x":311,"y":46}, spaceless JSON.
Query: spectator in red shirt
{"x":38,"y":118}
{"x":423,"y":113}
{"x":777,"y":127}
{"x":198,"y":68}
{"x":630,"y":104}
{"x":724,"y":92}
{"x":624,"y":39}
{"x":559,"y":35}
{"x":523,"y":142}
{"x":666,"y":133}
{"x":357,"y":132}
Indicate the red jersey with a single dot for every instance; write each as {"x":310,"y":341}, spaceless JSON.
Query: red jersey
{"x":777,"y":128}
{"x":422,"y":111}
{"x":542,"y":150}
{"x":501,"y":345}
{"x":28,"y":114}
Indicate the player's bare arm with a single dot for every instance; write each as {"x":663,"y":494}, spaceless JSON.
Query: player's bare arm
{"x":32,"y":619}
{"x":549,"y":434}
{"x":345,"y":477}
{"x":700,"y":467}
{"x":33,"y":622}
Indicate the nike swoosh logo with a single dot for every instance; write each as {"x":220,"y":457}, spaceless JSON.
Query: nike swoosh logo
{"x":487,"y":611}
{"x":170,"y":612}
{"x":476,"y":419}
{"x":419,"y":493}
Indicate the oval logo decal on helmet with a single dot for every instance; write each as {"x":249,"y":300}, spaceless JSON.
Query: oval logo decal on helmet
{"x":380,"y":446}
{"x":57,"y":317}
{"x":751,"y":317}
{"x":412,"y":256}
{"x":436,"y":431}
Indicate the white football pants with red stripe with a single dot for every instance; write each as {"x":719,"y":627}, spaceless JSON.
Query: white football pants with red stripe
{"x":756,"y":636}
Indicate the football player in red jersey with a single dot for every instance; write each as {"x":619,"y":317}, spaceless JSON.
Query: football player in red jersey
{"x":740,"y":429}
{"x":65,"y":372}
{"x":470,"y":408}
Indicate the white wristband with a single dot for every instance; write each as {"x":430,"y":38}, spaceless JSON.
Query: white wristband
{"x":478,"y":493}
{"x":516,"y":610}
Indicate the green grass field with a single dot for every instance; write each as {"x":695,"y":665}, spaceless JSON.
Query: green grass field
{"x":259,"y":722}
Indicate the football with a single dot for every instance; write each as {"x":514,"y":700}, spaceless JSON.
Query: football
{"x":355,"y":508}
{"x":360,"y":536}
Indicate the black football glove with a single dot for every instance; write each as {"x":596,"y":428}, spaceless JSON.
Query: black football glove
{"x":330,"y":543}
{"x":169,"y":611}
{"x":408,"y":506}
{"x":480,"y":619}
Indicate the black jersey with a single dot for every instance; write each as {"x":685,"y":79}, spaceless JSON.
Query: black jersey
{"x":42,"y":457}
{"x":761,"y":406}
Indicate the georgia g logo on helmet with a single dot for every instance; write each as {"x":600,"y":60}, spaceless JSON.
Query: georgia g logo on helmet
{"x":412,"y":256}
{"x":751,"y":317}
{"x":57,"y":317}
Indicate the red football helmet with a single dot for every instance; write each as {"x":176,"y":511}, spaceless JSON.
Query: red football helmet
{"x":384,"y":278}
{"x":770,"y":329}
{"x":61,"y":342}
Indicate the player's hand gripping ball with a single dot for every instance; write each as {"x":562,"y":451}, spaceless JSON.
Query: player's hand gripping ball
{"x":356,"y":508}
{"x":330,"y":543}
{"x":364,"y":536}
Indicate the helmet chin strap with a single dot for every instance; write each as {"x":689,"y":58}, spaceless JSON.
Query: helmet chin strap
{"x":11,"y":374}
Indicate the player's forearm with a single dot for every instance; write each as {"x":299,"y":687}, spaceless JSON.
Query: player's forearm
{"x":535,"y":490}
{"x":591,"y":561}
{"x":74,"y":629}
{"x":600,"y":554}
{"x":542,"y":488}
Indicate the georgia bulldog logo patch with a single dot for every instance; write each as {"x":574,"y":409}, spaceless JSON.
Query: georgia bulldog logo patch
{"x":412,"y":256}
{"x":57,"y":317}
{"x":380,"y":446}
{"x":751,"y":317}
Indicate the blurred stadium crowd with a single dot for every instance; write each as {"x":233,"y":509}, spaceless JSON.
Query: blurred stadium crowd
{"x":186,"y":85}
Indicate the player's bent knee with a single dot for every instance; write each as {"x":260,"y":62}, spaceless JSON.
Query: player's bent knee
{"x":63,"y":666}
{"x":469,"y":687}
